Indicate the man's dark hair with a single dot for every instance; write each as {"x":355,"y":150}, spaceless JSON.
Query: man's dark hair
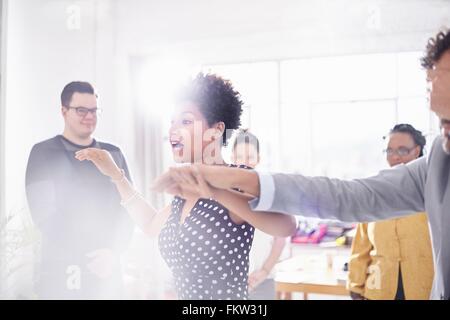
{"x":71,"y":88}
{"x":244,"y":136}
{"x":216,"y":99}
{"x":436,"y":47}
{"x":416,"y":135}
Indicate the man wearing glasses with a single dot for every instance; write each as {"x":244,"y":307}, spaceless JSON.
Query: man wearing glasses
{"x":77,"y":209}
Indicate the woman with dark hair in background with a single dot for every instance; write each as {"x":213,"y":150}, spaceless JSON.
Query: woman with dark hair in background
{"x":205,"y":235}
{"x":392,"y":259}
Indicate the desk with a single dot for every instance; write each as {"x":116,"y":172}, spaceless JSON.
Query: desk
{"x":284,"y":289}
{"x":319,"y":274}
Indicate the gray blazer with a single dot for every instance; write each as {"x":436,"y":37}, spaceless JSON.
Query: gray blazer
{"x":421,"y":185}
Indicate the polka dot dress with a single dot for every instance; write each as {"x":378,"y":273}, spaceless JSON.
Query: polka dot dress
{"x":208,"y":253}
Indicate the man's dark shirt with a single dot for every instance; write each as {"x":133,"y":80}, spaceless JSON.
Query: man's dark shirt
{"x":77,"y":210}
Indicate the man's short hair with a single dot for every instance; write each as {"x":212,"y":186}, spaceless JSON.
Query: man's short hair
{"x":436,"y":47}
{"x":71,"y":88}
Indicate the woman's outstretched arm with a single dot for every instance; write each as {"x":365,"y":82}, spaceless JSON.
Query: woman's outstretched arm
{"x":189,"y":180}
{"x":146,"y":217}
{"x":273,"y":223}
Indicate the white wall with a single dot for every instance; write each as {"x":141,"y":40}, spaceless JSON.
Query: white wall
{"x":2,"y":137}
{"x":2,"y":110}
{"x":205,"y":32}
{"x":229,"y":31}
{"x":48,"y":43}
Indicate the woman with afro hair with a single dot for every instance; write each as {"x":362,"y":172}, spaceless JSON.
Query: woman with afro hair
{"x":205,"y":234}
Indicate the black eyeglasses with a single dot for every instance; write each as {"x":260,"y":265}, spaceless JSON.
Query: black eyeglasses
{"x":401,"y":152}
{"x":83,"y":111}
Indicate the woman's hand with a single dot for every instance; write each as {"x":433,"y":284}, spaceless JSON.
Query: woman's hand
{"x":185,"y":181}
{"x":216,"y":177}
{"x":256,"y":277}
{"x":102,"y":160}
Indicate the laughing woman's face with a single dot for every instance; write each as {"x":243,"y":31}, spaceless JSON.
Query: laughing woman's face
{"x":190,"y":135}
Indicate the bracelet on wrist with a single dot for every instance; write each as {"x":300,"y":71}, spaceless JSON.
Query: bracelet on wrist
{"x":126,"y":202}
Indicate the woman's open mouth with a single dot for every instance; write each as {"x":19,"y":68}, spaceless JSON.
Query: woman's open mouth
{"x":176,"y":145}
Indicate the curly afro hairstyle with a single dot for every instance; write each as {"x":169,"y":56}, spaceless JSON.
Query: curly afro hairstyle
{"x":217,"y":100}
{"x":436,"y":47}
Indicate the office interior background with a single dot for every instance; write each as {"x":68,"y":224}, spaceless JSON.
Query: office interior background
{"x":322,"y":83}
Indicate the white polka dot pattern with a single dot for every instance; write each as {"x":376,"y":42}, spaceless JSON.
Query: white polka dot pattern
{"x":208,"y":254}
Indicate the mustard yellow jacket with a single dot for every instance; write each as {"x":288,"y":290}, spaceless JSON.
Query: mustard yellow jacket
{"x":380,"y":248}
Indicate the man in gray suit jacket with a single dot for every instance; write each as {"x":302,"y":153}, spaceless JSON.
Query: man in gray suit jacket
{"x":422,"y":185}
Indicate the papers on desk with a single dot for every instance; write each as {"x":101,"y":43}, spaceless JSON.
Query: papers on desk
{"x":311,"y":269}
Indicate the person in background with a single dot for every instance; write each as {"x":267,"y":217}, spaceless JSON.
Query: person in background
{"x":392,"y":259}
{"x":266,"y":249}
{"x":77,"y":209}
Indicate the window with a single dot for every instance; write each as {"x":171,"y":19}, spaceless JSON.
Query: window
{"x":328,"y":115}
{"x":258,"y":85}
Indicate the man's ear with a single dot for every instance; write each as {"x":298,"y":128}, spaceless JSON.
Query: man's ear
{"x":63,"y":111}
{"x":417,"y":151}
